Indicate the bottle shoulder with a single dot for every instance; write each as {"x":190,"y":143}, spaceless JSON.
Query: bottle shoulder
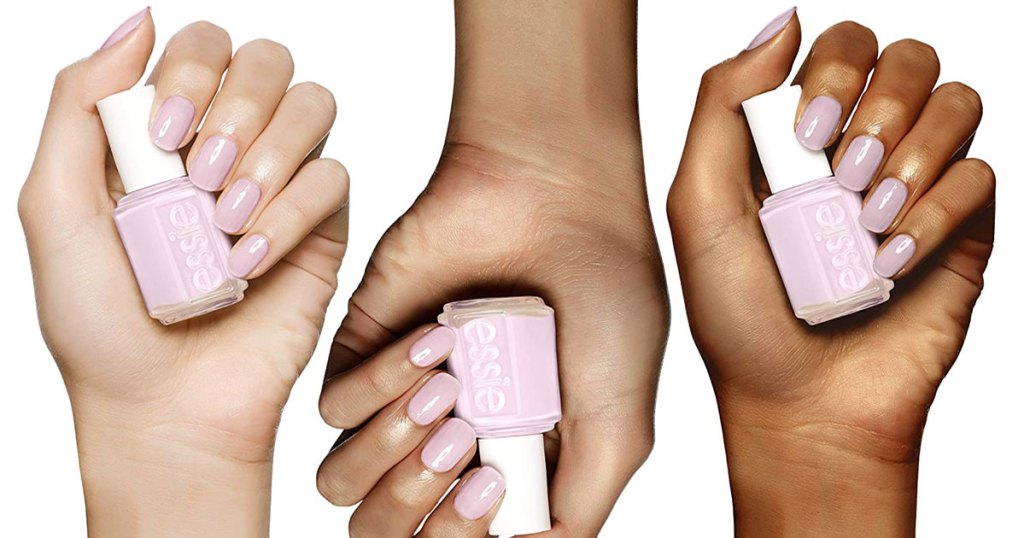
{"x":142,"y":196}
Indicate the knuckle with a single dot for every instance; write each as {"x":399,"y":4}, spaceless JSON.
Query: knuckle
{"x":979,"y":173}
{"x":335,"y":176}
{"x":853,"y":30}
{"x":268,"y":49}
{"x":332,"y":487}
{"x":888,"y":103}
{"x":913,"y":50}
{"x":67,"y":78}
{"x":843,"y":72}
{"x":332,"y":412}
{"x":317,"y":97}
{"x":209,"y":32}
{"x":291,"y":211}
{"x":961,"y":96}
{"x":401,"y":499}
{"x":937,"y":211}
{"x":713,"y":78}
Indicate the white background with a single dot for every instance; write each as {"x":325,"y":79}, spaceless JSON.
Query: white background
{"x":390,"y":67}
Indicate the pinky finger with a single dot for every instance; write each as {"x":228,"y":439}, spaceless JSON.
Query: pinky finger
{"x":966,"y":188}
{"x":318,"y":191}
{"x":470,"y":507}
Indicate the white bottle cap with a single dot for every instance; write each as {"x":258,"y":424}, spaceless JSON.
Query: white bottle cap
{"x":786,"y":162}
{"x":140,"y":163}
{"x":524,"y":510}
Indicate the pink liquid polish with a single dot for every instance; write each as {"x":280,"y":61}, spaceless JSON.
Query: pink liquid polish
{"x":178,"y":256}
{"x":505,"y":358}
{"x":822,"y":252}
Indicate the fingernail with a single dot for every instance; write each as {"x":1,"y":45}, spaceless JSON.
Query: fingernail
{"x":895,"y":255}
{"x":448,"y":445}
{"x":772,"y":29}
{"x":236,"y":205}
{"x":246,"y":255}
{"x":172,"y":123}
{"x":478,"y":495}
{"x":213,"y":162}
{"x":860,"y":162}
{"x":126,"y":28}
{"x":433,"y":398}
{"x":819,"y":122}
{"x":884,"y":204}
{"x":437,"y":343}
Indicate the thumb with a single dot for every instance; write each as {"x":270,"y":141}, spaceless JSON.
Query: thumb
{"x":69,"y":167}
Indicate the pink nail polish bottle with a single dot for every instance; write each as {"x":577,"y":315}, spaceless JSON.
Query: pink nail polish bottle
{"x":823,"y":253}
{"x":179,"y":257}
{"x":505,"y":358}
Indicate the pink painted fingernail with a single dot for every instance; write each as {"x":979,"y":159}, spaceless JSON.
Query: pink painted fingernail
{"x":173,"y":122}
{"x":448,"y":445}
{"x":437,"y":343}
{"x":479,"y":494}
{"x":246,"y":255}
{"x":895,"y":255}
{"x":213,"y":162}
{"x":860,"y":162}
{"x":236,"y":205}
{"x":881,"y":209}
{"x":772,"y":29}
{"x":819,"y":122}
{"x":126,"y":28}
{"x":433,"y":398}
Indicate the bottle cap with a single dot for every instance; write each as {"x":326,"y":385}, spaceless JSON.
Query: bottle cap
{"x":140,"y":163}
{"x":786,"y":162}
{"x":524,"y":509}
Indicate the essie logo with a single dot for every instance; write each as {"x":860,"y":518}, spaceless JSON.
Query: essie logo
{"x":490,"y":384}
{"x":842,"y":255}
{"x":193,"y":248}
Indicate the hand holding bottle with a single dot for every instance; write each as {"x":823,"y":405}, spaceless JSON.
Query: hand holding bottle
{"x":176,"y":424}
{"x":823,"y":424}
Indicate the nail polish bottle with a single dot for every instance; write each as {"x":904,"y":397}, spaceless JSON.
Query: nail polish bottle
{"x":822,"y":252}
{"x":179,"y":257}
{"x":505,"y":358}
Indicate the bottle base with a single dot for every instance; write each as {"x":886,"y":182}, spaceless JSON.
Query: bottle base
{"x":874,"y":294}
{"x":229,"y":293}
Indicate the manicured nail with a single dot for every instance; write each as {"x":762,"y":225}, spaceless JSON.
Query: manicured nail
{"x":478,"y":495}
{"x":772,"y":29}
{"x":246,"y":255}
{"x":819,"y":122}
{"x":213,"y":162}
{"x":884,"y":204}
{"x":860,"y":162}
{"x":126,"y":28}
{"x":437,"y":343}
{"x":448,"y":445}
{"x":895,"y":255}
{"x":433,"y":398}
{"x":236,"y":205}
{"x":173,"y":122}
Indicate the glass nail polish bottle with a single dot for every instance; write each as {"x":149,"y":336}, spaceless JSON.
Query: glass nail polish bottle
{"x":822,"y":252}
{"x":505,"y":358}
{"x":178,"y":256}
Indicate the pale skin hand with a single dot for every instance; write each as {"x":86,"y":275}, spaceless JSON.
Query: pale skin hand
{"x":176,"y":424}
{"x":823,"y":424}
{"x":540,"y":190}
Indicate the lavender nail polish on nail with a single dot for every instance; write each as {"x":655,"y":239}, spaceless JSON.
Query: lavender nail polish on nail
{"x":213,"y":162}
{"x":772,"y":29}
{"x":819,"y":122}
{"x":895,"y":255}
{"x":860,"y":162}
{"x":884,"y":204}
{"x":236,"y":205}
{"x":172,"y":123}
{"x":126,"y":28}
{"x":479,"y":493}
{"x":448,"y":445}
{"x":433,"y":398}
{"x":438,"y":342}
{"x":245,"y":256}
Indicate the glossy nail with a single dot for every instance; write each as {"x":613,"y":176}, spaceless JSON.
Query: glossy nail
{"x":433,"y":398}
{"x":772,"y":29}
{"x":246,"y":255}
{"x":448,"y":445}
{"x":479,"y":493}
{"x":213,"y":162}
{"x":236,"y":205}
{"x":819,"y":122}
{"x":860,"y":162}
{"x":173,"y":122}
{"x":895,"y":255}
{"x":437,"y":343}
{"x":126,"y":28}
{"x":884,"y":204}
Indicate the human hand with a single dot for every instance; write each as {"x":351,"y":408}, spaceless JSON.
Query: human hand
{"x":823,"y":424}
{"x":177,"y":423}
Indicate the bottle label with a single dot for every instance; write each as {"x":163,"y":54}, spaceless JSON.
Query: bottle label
{"x":491,"y":378}
{"x":191,"y":246}
{"x":837,"y":244}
